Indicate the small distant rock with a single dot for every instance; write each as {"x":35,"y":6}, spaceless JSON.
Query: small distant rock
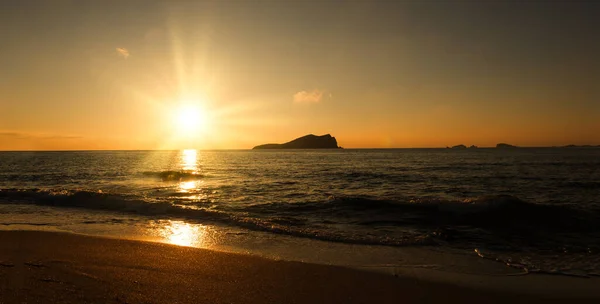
{"x":459,"y":147}
{"x":504,"y":145}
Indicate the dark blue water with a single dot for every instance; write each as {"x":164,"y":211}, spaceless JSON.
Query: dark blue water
{"x":536,"y":208}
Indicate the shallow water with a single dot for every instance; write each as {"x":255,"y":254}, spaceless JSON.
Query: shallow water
{"x":531,"y":208}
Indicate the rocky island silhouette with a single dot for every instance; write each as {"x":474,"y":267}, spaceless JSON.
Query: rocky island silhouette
{"x":305,"y":142}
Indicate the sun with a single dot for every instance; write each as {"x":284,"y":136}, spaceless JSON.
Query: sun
{"x":190,"y":119}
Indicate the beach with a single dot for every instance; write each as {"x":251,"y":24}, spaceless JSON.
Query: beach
{"x":49,"y":267}
{"x":299,"y":151}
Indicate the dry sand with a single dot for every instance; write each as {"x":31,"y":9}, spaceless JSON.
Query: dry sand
{"x":46,"y":267}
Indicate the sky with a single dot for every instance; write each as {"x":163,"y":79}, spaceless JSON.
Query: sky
{"x":235,"y":74}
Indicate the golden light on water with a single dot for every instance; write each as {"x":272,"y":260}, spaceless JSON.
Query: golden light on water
{"x":183,"y":234}
{"x":186,"y":186}
{"x":189,"y":160}
{"x":179,"y":232}
{"x":189,"y":163}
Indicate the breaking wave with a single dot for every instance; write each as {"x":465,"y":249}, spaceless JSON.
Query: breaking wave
{"x":173,"y":175}
{"x":364,"y":220}
{"x":162,"y":209}
{"x":494,"y":212}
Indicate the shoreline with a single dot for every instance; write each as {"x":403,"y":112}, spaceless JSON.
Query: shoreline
{"x":73,"y":268}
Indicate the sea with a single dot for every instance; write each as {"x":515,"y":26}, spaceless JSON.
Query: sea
{"x":532,"y":209}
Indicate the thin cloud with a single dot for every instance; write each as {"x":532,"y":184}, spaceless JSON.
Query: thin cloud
{"x":60,"y":137}
{"x":314,"y":96}
{"x":13,"y":135}
{"x":18,"y":135}
{"x":123,"y":52}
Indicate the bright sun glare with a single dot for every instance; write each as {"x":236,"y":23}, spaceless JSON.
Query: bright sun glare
{"x":190,"y":119}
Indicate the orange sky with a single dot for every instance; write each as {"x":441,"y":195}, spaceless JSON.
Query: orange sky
{"x":373,"y":74}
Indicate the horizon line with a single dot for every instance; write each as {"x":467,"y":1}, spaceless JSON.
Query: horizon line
{"x":250,"y":149}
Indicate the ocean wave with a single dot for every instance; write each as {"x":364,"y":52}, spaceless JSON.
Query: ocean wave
{"x":129,"y":204}
{"x":333,"y":235}
{"x":363,"y":175}
{"x":98,"y":201}
{"x":589,"y":185}
{"x":496,"y":212}
{"x":364,"y":220}
{"x":173,"y":175}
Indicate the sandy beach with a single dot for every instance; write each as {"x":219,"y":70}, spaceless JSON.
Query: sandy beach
{"x":48,"y":267}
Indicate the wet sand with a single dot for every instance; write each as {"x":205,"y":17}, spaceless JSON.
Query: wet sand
{"x":47,"y":267}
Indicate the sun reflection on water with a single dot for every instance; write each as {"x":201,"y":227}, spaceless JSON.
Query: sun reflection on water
{"x":187,"y":186}
{"x":183,"y":234}
{"x":189,"y":163}
{"x":189,"y":160}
